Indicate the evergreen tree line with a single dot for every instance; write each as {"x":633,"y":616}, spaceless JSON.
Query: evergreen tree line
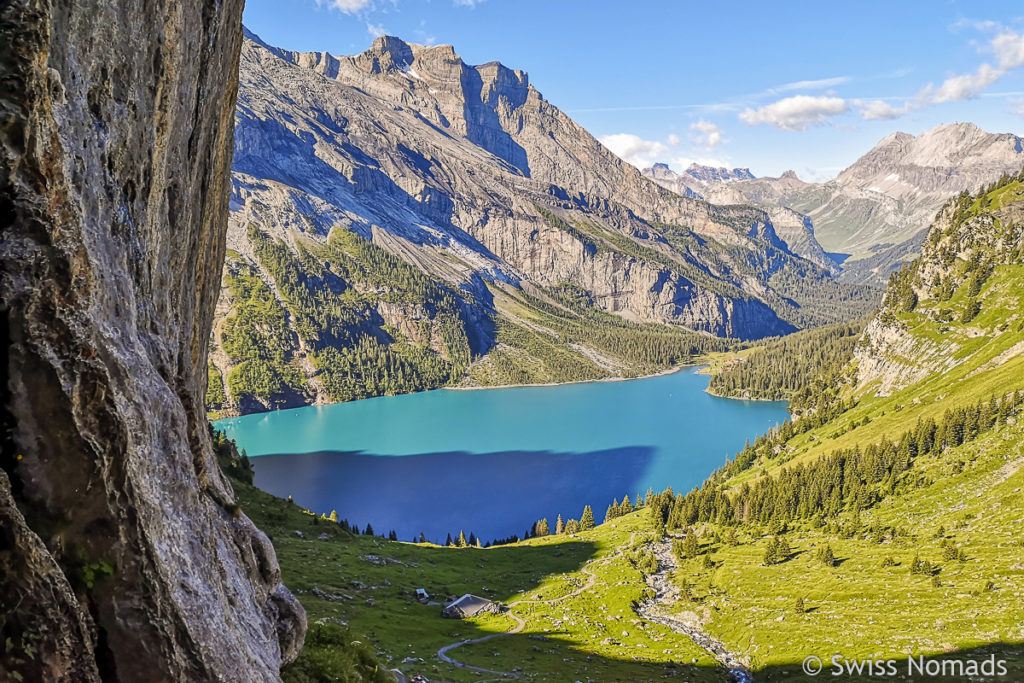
{"x":845,"y":479}
{"x":330,"y":293}
{"x":232,"y":461}
{"x":787,"y":365}
{"x":617,"y":509}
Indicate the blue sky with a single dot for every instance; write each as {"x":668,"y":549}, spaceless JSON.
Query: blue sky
{"x":808,"y":86}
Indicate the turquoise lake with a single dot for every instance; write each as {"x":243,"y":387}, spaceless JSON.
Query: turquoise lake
{"x":494,"y":461}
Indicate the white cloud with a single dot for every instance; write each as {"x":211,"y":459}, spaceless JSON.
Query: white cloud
{"x":708,"y":135}
{"x":376,"y":30}
{"x":976,"y":25}
{"x":878,"y":110}
{"x":635,"y":150}
{"x":797,"y":112}
{"x":673,"y":140}
{"x":819,"y":84}
{"x":965,"y":87}
{"x":1018,"y":106}
{"x":349,"y":6}
{"x":466,"y":3}
{"x":1008,"y":48}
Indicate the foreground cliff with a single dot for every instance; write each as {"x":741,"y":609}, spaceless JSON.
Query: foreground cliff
{"x":123,"y":554}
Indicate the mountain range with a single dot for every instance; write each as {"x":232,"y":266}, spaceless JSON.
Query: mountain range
{"x":499,"y":203}
{"x":874,"y":214}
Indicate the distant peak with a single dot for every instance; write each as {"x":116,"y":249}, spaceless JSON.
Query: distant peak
{"x":791,"y":175}
{"x":660,"y":166}
{"x":718,"y":174}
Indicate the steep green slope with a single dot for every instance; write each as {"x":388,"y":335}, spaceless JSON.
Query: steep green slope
{"x":907,"y":465}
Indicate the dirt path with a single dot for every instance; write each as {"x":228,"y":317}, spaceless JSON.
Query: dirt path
{"x":665,"y":594}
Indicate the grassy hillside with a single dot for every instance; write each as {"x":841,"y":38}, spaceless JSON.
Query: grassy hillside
{"x":360,"y":588}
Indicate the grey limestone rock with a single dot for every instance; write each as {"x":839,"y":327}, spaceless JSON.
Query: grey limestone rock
{"x":124,"y":554}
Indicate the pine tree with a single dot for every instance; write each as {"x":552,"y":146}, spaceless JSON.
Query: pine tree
{"x":448,"y":542}
{"x":462,"y":539}
{"x":423,"y":539}
{"x":613,"y":510}
{"x":333,"y":516}
{"x":777,"y":550}
{"x":587,"y":520}
{"x":369,"y":530}
{"x":541,"y":528}
{"x":572,"y":527}
{"x":472,"y":539}
{"x":559,"y":525}
{"x":393,"y":535}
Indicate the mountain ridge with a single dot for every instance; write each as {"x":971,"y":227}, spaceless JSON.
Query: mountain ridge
{"x":471,"y":176}
{"x":878,"y":208}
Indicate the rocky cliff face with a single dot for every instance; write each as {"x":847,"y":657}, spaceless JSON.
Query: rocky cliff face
{"x":123,"y":554}
{"x":724,"y":186}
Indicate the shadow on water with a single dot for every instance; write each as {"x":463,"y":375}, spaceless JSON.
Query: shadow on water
{"x":494,"y":495}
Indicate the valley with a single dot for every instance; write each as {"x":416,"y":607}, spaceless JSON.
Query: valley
{"x":384,"y":367}
{"x":874,"y":214}
{"x":914,"y":553}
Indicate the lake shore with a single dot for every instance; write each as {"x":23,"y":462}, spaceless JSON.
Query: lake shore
{"x":662,"y":373}
{"x":742,"y":398}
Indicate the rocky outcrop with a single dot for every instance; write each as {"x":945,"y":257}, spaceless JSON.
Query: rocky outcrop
{"x":124,"y":554}
{"x":920,"y":331}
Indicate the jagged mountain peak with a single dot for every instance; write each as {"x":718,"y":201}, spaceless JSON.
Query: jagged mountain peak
{"x":718,"y":174}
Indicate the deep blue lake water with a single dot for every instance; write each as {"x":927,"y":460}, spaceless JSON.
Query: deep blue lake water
{"x":494,"y":461}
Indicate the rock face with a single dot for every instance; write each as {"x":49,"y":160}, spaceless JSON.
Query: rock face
{"x":123,"y":555}
{"x":894,"y":191}
{"x":725,"y":187}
